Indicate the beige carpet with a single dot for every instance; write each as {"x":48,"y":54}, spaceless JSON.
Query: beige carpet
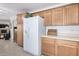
{"x":8,"y":48}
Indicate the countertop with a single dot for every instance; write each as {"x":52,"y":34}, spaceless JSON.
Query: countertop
{"x":63,"y":37}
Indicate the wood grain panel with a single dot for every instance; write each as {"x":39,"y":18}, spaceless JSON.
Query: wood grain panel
{"x":71,"y":14}
{"x":66,"y":51}
{"x":66,"y":48}
{"x":48,"y":46}
{"x":48,"y":17}
{"x":57,"y":16}
{"x":20,"y":34}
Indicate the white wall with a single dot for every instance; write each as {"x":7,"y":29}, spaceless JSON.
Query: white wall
{"x":12,"y":28}
{"x":72,"y":31}
{"x":15,"y":21}
{"x":5,"y":21}
{"x":13,"y":24}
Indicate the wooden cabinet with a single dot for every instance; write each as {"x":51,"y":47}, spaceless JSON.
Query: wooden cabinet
{"x":59,"y":47}
{"x":48,"y":46}
{"x":64,"y":15}
{"x":36,"y":14}
{"x":20,"y":28}
{"x":78,"y":48}
{"x":39,"y":14}
{"x":57,"y":16}
{"x":46,"y":15}
{"x":71,"y":14}
{"x":66,"y":48}
{"x":20,"y":34}
{"x":19,"y":19}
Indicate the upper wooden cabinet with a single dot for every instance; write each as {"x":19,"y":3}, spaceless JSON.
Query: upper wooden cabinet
{"x":39,"y":14}
{"x":36,"y":14}
{"x":65,"y":15}
{"x":71,"y":14}
{"x":46,"y":15}
{"x":20,"y":18}
{"x":57,"y":16}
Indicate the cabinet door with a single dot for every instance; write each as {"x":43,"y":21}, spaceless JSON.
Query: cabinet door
{"x":48,"y":46}
{"x":19,"y":19}
{"x":48,"y":17}
{"x":78,"y":48}
{"x":41,"y":14}
{"x":66,"y":48}
{"x":57,"y":16}
{"x":66,"y":51}
{"x":20,"y":34}
{"x":71,"y":14}
{"x":36,"y":14}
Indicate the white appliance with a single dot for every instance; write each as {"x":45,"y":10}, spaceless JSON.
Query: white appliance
{"x":33,"y":30}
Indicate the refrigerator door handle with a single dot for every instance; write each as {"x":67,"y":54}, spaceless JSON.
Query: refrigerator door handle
{"x":27,"y":33}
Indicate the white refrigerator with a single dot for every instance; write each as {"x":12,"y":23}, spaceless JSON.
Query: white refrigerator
{"x":33,"y":29}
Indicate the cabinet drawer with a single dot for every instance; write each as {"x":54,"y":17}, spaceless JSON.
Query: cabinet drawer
{"x":66,"y":42}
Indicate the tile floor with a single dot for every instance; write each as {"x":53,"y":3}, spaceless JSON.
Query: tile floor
{"x":8,"y":48}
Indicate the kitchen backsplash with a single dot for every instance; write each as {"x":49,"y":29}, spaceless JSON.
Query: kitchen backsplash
{"x":71,"y":31}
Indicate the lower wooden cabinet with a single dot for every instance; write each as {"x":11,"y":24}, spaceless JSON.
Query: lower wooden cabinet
{"x":58,"y":47}
{"x":46,"y":15}
{"x":48,"y":46}
{"x":78,"y":49}
{"x":66,"y":48}
{"x":66,"y":51}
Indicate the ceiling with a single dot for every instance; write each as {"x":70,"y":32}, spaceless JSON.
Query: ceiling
{"x":10,"y":9}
